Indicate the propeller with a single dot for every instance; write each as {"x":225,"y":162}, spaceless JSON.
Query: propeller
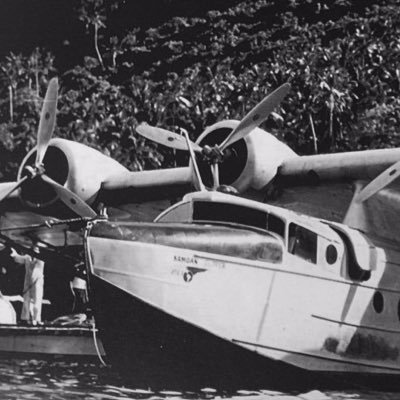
{"x":257,"y":115}
{"x":166,"y":138}
{"x":73,"y":201}
{"x":45,"y":132}
{"x":47,"y":121}
{"x":214,"y":155}
{"x":384,"y":179}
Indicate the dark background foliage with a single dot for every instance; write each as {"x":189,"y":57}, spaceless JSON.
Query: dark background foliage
{"x":185,"y":64}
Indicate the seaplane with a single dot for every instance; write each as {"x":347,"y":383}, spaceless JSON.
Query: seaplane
{"x":221,"y":288}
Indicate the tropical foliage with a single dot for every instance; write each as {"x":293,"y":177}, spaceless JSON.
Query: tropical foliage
{"x":341,"y":58}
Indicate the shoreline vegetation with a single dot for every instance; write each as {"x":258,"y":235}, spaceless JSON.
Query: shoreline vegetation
{"x":180,"y":65}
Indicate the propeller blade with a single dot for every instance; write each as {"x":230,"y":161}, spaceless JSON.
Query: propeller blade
{"x":195,"y":166}
{"x":9,"y":187}
{"x":71,"y":200}
{"x":166,"y":138}
{"x":384,"y":179}
{"x":47,"y":120}
{"x":256,"y":116}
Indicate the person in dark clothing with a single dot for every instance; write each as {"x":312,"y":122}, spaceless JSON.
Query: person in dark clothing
{"x":79,"y":288}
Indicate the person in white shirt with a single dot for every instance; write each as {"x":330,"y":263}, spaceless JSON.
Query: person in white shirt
{"x":33,"y":286}
{"x":7,"y":312}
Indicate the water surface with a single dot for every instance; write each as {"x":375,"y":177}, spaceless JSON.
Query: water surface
{"x":65,"y":379}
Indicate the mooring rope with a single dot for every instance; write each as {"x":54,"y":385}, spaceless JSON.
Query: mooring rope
{"x":96,"y":343}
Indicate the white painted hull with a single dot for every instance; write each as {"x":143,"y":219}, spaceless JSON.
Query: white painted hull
{"x":312,"y":321}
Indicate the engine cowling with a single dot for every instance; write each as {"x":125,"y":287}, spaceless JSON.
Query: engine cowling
{"x":77,"y":167}
{"x":251,"y":162}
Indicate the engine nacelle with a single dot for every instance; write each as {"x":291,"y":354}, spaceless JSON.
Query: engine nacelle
{"x":77,"y":167}
{"x":251,"y":162}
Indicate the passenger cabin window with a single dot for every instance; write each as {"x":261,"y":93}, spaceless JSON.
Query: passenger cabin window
{"x":302,"y":243}
{"x":225,"y":212}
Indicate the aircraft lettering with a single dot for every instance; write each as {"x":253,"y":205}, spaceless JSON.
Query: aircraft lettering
{"x":177,"y":272}
{"x":186,"y":260}
{"x":213,"y":264}
{"x":187,"y":273}
{"x":191,"y":272}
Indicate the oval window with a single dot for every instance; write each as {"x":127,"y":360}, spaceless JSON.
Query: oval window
{"x":377,"y":302}
{"x":331,"y":254}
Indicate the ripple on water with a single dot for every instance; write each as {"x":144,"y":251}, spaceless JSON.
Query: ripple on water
{"x":63,"y":380}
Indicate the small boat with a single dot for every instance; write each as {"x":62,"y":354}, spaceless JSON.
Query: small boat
{"x":60,"y":333}
{"x":49,"y":340}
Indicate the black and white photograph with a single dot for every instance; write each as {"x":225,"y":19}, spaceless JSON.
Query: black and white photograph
{"x":199,"y":200}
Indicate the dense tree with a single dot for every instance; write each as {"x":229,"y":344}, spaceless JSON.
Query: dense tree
{"x":197,"y":67}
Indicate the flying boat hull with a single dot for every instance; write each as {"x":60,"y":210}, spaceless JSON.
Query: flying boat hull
{"x":154,"y":349}
{"x":178,"y":308}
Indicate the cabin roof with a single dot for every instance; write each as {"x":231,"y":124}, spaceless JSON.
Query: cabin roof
{"x":306,"y":221}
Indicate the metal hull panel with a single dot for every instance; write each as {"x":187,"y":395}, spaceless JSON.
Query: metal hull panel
{"x":156,"y":350}
{"x":289,"y":313}
{"x":153,"y":349}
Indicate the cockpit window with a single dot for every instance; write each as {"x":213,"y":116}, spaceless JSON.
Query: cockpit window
{"x":225,"y":212}
{"x":302,"y":243}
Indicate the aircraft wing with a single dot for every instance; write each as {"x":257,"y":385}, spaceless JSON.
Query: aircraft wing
{"x":328,"y":201}
{"x":322,"y":186}
{"x":122,"y":188}
{"x":152,"y":178}
{"x":348,"y":166}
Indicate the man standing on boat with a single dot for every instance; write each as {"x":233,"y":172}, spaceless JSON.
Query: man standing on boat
{"x":79,"y":288}
{"x":33,"y":286}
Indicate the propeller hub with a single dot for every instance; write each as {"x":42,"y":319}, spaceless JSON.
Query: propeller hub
{"x":213,"y":154}
{"x":35,"y":192}
{"x":32,"y":172}
{"x":231,"y":161}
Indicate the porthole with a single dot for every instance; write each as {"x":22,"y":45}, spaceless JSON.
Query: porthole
{"x":377,"y":302}
{"x":331,"y":254}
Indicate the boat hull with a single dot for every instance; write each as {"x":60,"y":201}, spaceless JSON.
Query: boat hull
{"x":157,"y":350}
{"x":173,"y":312}
{"x":45,"y":341}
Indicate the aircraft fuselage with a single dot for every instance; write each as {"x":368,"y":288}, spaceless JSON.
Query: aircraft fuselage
{"x":284,"y":287}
